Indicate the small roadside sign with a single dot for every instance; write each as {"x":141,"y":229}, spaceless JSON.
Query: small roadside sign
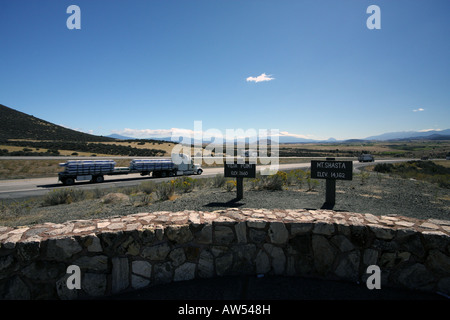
{"x":331,"y":169}
{"x":240,"y":171}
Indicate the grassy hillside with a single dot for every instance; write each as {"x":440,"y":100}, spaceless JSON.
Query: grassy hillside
{"x":19,"y":125}
{"x":420,"y":170}
{"x":25,"y":135}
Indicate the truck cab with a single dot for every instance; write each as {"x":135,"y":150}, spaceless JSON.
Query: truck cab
{"x":185,"y":164}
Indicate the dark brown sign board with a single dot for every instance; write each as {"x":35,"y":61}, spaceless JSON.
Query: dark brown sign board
{"x":240,"y":170}
{"x":331,"y":169}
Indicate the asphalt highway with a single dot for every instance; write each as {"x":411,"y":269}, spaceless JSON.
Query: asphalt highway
{"x":25,"y":188}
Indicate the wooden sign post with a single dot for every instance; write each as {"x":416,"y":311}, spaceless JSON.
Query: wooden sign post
{"x":240,"y":171}
{"x":331,"y":170}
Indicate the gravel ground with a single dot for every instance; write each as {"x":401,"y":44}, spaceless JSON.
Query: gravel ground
{"x":378,"y":195}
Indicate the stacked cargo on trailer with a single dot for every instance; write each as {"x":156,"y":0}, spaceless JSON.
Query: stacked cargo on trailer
{"x":159,"y":167}
{"x":92,"y":170}
{"x":95,"y":170}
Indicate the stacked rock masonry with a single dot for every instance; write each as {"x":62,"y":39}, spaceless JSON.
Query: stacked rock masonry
{"x":126,"y":253}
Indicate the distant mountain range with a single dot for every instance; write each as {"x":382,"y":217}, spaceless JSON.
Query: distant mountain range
{"x":433,"y":134}
{"x":19,"y":125}
{"x":401,"y":135}
{"x":120,"y":137}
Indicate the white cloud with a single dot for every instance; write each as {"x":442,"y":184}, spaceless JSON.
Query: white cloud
{"x":208,"y":134}
{"x":161,"y":133}
{"x":288,"y":134}
{"x":426,"y":130}
{"x":260,"y":78}
{"x":418,"y":110}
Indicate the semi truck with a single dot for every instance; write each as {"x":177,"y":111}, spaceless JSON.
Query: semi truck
{"x":95,"y":170}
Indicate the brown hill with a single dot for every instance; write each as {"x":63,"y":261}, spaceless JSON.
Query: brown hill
{"x":19,"y":125}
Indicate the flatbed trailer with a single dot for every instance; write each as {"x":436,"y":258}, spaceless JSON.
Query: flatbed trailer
{"x":95,"y":170}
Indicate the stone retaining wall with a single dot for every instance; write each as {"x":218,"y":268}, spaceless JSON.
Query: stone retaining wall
{"x":131,"y":252}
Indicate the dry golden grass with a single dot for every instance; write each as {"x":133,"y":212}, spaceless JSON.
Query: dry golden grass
{"x":61,"y":152}
{"x":21,"y":169}
{"x":418,"y":148}
{"x":444,"y":163}
{"x":341,"y":147}
{"x":166,"y":146}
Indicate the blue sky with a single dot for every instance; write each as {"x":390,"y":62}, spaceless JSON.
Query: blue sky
{"x":142,"y":67}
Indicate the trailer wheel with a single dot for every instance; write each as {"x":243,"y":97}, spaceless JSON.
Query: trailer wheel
{"x":68,"y":181}
{"x":163,"y":174}
{"x":98,"y":179}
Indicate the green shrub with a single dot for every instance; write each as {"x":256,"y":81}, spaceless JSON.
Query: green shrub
{"x":200,"y":183}
{"x":63,"y":196}
{"x":147,"y":187}
{"x":364,"y":177}
{"x":274,"y":181}
{"x":219,"y":181}
{"x":383,"y":167}
{"x":281,"y":175}
{"x":271,"y":182}
{"x":141,"y":199}
{"x":53,"y":151}
{"x":129,"y":190}
{"x":184,"y":184}
{"x":97,"y":193}
{"x":255,"y":183}
{"x":230,"y":185}
{"x":419,"y":170}
{"x":444,"y":182}
{"x":312,"y":183}
{"x":295,"y":177}
{"x":164,"y":190}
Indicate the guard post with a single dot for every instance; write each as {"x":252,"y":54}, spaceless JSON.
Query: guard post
{"x":331,"y":170}
{"x":240,"y":171}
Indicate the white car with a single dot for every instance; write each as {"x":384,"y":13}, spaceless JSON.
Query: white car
{"x":366,"y":158}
